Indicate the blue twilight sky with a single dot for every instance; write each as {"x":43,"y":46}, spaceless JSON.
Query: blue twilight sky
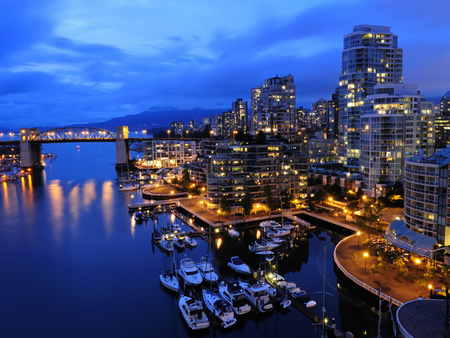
{"x":78,"y":61}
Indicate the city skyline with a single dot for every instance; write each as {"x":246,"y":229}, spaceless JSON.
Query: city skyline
{"x":67,"y":62}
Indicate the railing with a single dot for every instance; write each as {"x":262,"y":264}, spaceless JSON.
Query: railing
{"x":360,"y":283}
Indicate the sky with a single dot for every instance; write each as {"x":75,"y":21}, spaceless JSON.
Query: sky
{"x":80,"y":61}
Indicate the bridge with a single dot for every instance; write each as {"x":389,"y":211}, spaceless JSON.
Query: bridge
{"x":30,"y":140}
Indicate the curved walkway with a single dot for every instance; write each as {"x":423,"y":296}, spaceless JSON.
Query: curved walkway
{"x":357,"y":269}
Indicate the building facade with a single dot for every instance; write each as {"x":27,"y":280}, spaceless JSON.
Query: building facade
{"x":371,"y":56}
{"x":273,"y":107}
{"x":427,"y":195}
{"x":237,"y":169}
{"x":168,"y":153}
{"x":397,"y":122}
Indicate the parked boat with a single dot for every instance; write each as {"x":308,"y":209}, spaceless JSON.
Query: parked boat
{"x":277,"y":297}
{"x":179,"y":243}
{"x":221,"y":309}
{"x":234,"y":295}
{"x":138,"y":217}
{"x":166,"y":244}
{"x":258,"y":295}
{"x":175,"y":227}
{"x":269,"y":224}
{"x":189,"y":241}
{"x":232,"y":232}
{"x":193,"y":314}
{"x":189,"y":272}
{"x":127,"y":186}
{"x":278,"y":232}
{"x":169,"y":279}
{"x":238,"y":265}
{"x":264,"y":246}
{"x":207,"y":271}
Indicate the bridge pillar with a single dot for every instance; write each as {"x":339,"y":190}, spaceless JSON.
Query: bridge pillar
{"x":30,"y":153}
{"x":122,"y":152}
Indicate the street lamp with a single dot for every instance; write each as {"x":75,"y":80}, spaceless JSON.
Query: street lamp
{"x":430,"y":287}
{"x":417,"y":261}
{"x":357,"y":235}
{"x":366,"y":254}
{"x":168,"y":133}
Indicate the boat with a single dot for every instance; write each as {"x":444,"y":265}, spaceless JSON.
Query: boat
{"x":257,"y":294}
{"x":277,"y":297}
{"x":232,"y":232}
{"x":193,"y":314}
{"x":269,"y":224}
{"x":219,"y":308}
{"x":175,"y":227}
{"x":138,"y":217}
{"x":234,"y":295}
{"x":207,"y":271}
{"x":166,"y":244}
{"x":78,"y":147}
{"x":127,"y":186}
{"x":278,"y":232}
{"x":168,"y":278}
{"x":264,"y":246}
{"x":238,"y":265}
{"x":189,"y":272}
{"x":189,"y":241}
{"x":179,"y":243}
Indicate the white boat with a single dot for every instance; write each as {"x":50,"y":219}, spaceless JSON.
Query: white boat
{"x":193,"y":314}
{"x":219,"y":308}
{"x":232,"y":232}
{"x":127,"y":186}
{"x":238,"y":265}
{"x":179,"y":242}
{"x":166,"y":244}
{"x":175,"y":227}
{"x":207,"y":271}
{"x":235,"y":296}
{"x":191,"y":242}
{"x":189,"y":272}
{"x":279,"y":232}
{"x":269,"y":224}
{"x":168,"y":278}
{"x":258,"y":295}
{"x":278,"y":298}
{"x":264,"y":246}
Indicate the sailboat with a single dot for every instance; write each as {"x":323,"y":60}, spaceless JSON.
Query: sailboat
{"x":169,"y":279}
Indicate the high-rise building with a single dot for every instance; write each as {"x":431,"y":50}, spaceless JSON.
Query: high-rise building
{"x":396,"y":122}
{"x":427,"y":191}
{"x":332,"y":117}
{"x":445,"y":105}
{"x":273,"y":107}
{"x":240,"y":111}
{"x":318,"y":114}
{"x":371,"y":56}
{"x":177,"y":128}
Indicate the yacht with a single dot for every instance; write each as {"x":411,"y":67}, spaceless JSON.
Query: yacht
{"x":189,"y":241}
{"x":189,"y":272}
{"x":207,"y":271}
{"x":277,"y":232}
{"x":238,"y":265}
{"x":234,"y":295}
{"x":166,"y":244}
{"x":269,"y":224}
{"x":264,"y":246}
{"x":179,"y":242}
{"x":193,"y":314}
{"x":277,"y":297}
{"x":219,"y":308}
{"x":232,"y":232}
{"x":258,"y":295}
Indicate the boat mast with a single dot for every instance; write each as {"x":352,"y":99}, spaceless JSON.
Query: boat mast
{"x":323,"y":296}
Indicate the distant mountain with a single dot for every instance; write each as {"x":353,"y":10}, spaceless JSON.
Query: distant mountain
{"x":154,"y":120}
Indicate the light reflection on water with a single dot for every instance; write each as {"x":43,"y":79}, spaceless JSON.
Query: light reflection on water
{"x":108,"y":206}
{"x":74,"y":204}
{"x":57,"y":208}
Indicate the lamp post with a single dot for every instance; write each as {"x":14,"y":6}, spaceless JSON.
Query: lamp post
{"x":168,"y":133}
{"x":417,"y":261}
{"x":366,"y":254}
{"x":430,"y":287}
{"x":357,"y":235}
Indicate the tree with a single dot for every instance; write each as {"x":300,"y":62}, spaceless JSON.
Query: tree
{"x":287,"y":199}
{"x":371,"y":219}
{"x":186,"y":179}
{"x":247,"y":203}
{"x":225,"y":205}
{"x":260,"y":138}
{"x":269,"y":198}
{"x":401,"y":267}
{"x":374,"y":270}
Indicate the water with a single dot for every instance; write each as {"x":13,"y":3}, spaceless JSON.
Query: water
{"x":74,"y":264}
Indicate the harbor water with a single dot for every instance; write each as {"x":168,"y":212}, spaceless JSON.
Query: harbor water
{"x":74,"y":263}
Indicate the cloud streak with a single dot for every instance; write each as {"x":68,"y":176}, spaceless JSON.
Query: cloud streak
{"x":68,"y":62}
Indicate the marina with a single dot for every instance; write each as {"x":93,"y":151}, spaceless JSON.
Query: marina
{"x":100,"y":252}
